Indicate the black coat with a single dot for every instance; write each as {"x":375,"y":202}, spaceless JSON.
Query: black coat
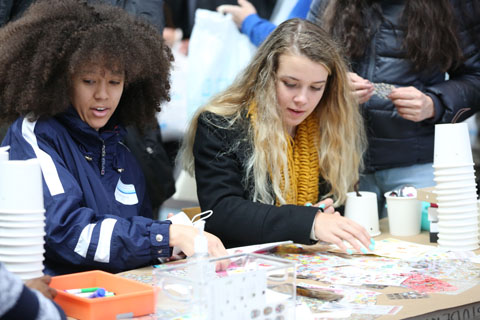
{"x":150,"y":10}
{"x":236,"y":219}
{"x":393,"y":140}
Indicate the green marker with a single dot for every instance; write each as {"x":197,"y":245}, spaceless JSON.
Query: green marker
{"x":82,"y":290}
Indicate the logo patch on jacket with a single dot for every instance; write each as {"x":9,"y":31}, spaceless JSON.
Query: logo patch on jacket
{"x":125,"y":193}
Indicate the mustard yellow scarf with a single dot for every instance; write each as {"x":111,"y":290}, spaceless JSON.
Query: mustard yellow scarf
{"x":303,"y":166}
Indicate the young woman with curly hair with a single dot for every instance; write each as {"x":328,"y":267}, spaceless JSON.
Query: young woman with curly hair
{"x":412,"y":45}
{"x":286,"y":134}
{"x":74,"y":74}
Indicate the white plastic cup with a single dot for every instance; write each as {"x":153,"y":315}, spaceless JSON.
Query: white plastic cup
{"x":404,"y":215}
{"x":447,"y":229}
{"x":23,"y":249}
{"x":458,"y":245}
{"x":457,"y":203}
{"x":460,"y":209}
{"x":363,"y":210}
{"x":455,"y":184}
{"x":453,"y":170}
{"x":29,"y":275}
{"x":22,"y":232}
{"x":459,"y":236}
{"x":452,"y":144}
{"x":452,"y":197}
{"x":21,"y":186}
{"x":457,"y":216}
{"x":24,"y":266}
{"x":452,"y":191}
{"x":4,"y":153}
{"x":454,"y":177}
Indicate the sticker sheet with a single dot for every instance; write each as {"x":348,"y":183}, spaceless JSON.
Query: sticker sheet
{"x":426,"y":284}
{"x":382,"y":90}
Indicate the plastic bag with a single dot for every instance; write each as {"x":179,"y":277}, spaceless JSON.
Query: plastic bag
{"x":216,"y":55}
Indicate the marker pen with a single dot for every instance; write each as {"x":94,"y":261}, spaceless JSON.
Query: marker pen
{"x":82,"y":290}
{"x":88,"y":294}
{"x":100,"y":293}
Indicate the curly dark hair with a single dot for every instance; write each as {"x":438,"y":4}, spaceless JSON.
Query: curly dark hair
{"x":430,"y":41}
{"x":53,"y":40}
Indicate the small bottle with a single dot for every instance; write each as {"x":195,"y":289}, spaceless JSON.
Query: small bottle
{"x":201,"y":272}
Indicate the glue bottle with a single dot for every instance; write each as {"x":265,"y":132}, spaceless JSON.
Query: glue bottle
{"x":201,"y":272}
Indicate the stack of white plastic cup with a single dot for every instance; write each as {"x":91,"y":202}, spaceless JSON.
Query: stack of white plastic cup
{"x":455,"y":188}
{"x":22,"y":218}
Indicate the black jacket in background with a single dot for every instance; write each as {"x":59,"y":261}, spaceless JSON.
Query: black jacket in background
{"x":236,"y":219}
{"x":394,"y":141}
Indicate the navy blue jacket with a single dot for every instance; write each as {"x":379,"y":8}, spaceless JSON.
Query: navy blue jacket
{"x":97,"y":213}
{"x":393,"y":140}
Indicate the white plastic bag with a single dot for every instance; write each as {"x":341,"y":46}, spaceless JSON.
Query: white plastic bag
{"x":217,"y":52}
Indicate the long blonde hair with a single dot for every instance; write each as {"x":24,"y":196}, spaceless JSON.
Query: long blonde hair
{"x":341,"y":136}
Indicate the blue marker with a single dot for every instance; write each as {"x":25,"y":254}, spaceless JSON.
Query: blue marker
{"x":100,"y":293}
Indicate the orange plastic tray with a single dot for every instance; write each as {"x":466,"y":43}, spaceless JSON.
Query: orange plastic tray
{"x":131,"y":298}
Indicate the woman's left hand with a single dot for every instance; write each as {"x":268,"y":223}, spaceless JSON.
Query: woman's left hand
{"x":412,"y":104}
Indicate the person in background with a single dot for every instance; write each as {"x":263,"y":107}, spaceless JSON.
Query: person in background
{"x":287,"y":134}
{"x":150,"y":10}
{"x":412,"y":45}
{"x":249,"y":22}
{"x":74,"y":74}
{"x":181,"y":14}
{"x":19,"y":301}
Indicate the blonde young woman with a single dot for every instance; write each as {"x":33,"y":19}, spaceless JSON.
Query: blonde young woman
{"x":285,"y":135}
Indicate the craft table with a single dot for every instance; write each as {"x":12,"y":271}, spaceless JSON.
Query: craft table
{"x":437,"y":306}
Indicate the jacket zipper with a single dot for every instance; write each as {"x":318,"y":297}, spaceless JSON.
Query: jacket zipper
{"x":102,"y":170}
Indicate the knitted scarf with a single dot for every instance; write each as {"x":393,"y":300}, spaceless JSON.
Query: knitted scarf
{"x":303,"y":166}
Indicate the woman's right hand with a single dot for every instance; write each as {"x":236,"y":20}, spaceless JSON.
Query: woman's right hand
{"x":184,"y":237}
{"x":363,"y":89}
{"x":334,"y":228}
{"x":326,"y":204}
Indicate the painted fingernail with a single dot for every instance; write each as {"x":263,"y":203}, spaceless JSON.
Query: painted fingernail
{"x":372,"y":241}
{"x":349,"y":251}
{"x":308,"y":204}
{"x":322,"y":206}
{"x":371,"y":247}
{"x":364,"y":250}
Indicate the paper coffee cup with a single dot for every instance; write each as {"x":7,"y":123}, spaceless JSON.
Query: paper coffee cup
{"x":363,"y":210}
{"x":404,"y":215}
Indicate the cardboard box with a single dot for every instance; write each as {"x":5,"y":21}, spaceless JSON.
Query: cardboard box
{"x":131,"y":298}
{"x":427,"y":194}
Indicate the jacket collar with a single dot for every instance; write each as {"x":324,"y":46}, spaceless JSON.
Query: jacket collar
{"x":86,"y":136}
